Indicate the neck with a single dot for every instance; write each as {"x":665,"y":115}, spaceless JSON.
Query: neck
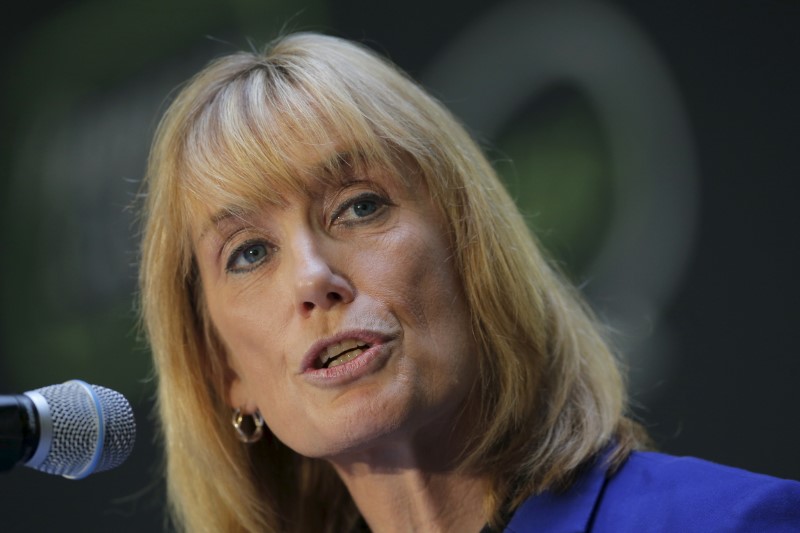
{"x":414,"y":500}
{"x":414,"y":485}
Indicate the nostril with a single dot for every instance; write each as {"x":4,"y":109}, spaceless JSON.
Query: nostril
{"x":321,"y":289}
{"x":334,"y":297}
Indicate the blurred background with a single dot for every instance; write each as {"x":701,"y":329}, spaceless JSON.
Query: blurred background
{"x":653,"y":147}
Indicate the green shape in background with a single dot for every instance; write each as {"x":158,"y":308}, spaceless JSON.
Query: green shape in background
{"x":558,"y":170}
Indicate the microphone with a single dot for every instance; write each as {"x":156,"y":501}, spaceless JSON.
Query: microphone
{"x":70,"y":430}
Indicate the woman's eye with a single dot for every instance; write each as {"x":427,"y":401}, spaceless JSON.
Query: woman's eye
{"x":247,"y":256}
{"x":362,"y":206}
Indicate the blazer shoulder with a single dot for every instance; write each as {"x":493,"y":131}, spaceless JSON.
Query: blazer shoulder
{"x":658,"y":492}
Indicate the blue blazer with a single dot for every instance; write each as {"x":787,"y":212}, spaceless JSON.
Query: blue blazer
{"x":653,"y":492}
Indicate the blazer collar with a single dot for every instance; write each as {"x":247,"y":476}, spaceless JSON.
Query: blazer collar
{"x":563,"y":512}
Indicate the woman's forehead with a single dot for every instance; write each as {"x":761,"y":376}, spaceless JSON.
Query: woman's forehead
{"x":240,"y":196}
{"x":257,"y":179}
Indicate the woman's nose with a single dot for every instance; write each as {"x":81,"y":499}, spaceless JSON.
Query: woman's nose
{"x":317,"y":284}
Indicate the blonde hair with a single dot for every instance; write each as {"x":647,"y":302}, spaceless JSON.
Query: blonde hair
{"x":550,"y":395}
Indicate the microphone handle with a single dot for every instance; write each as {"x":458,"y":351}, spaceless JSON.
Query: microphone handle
{"x":19,"y":430}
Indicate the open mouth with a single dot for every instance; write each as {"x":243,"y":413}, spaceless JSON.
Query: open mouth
{"x":341,"y":352}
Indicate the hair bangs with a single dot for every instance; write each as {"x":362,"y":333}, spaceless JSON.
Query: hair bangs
{"x":267,"y":134}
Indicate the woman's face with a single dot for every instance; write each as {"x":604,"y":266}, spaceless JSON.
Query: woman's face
{"x":341,"y":313}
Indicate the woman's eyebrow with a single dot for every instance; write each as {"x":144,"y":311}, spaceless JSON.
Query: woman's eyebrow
{"x":219,"y":219}
{"x":343,"y":164}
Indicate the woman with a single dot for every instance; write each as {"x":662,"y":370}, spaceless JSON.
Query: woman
{"x":333,"y":274}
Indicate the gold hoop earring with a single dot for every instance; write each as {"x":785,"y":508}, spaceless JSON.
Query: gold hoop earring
{"x":249,"y":428}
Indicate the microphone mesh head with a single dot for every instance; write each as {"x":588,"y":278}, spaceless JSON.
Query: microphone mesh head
{"x":120,"y":431}
{"x":78,"y":429}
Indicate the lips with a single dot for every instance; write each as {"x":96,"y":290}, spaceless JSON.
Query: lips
{"x":348,"y":353}
{"x":340,"y":353}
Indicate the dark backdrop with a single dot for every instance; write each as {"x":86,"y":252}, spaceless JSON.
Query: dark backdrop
{"x":713,"y":358}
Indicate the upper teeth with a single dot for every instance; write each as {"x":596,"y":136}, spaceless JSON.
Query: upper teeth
{"x":337,"y":349}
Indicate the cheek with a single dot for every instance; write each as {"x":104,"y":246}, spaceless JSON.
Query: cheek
{"x":249,"y":330}
{"x":253,"y":331}
{"x":425,"y":292}
{"x":434,"y":291}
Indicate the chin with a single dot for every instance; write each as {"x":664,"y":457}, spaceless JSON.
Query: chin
{"x":354,"y":433}
{"x":351,"y":441}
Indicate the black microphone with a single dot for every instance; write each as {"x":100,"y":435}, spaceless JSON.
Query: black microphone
{"x":71,"y":430}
